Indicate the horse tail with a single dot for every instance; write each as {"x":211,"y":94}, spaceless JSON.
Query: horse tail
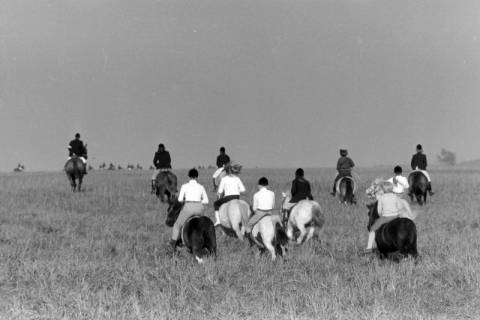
{"x":280,"y":235}
{"x":317,"y":216}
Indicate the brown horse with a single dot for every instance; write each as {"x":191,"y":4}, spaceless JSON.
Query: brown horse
{"x":166,"y":186}
{"x":75,"y":168}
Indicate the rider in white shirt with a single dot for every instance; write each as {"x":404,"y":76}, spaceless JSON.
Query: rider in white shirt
{"x":263,"y":203}
{"x":194,"y":197}
{"x":230,"y":188}
{"x":400,"y":183}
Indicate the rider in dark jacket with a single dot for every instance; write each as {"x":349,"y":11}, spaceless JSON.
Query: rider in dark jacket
{"x":162,"y":162}
{"x":77,"y":148}
{"x":419,"y":162}
{"x":222,"y":158}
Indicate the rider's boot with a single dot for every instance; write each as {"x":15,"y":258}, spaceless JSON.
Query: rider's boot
{"x":172,"y":246}
{"x":153,"y":187}
{"x":429,"y":188}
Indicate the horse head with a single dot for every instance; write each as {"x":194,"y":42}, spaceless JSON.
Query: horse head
{"x":173,"y":211}
{"x":372,"y":214}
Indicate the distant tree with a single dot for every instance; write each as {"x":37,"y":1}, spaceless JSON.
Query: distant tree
{"x":139,"y":167}
{"x":90,"y":168}
{"x":447,"y":157}
{"x":151,"y":168}
{"x":111,"y":166}
{"x":130,"y":166}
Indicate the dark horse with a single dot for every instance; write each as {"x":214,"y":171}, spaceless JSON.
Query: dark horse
{"x":395,"y":239}
{"x":346,"y":190}
{"x":418,"y":187}
{"x":75,"y":168}
{"x":166,"y":186}
{"x":198,"y":232}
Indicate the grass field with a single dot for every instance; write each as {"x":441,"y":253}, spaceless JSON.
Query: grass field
{"x":100,"y":254}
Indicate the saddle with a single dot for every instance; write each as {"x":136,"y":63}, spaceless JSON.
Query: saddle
{"x":337,"y":185}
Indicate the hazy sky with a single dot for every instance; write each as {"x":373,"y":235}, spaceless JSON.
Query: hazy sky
{"x":278,"y":83}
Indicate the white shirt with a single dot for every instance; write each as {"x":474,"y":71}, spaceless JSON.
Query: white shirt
{"x":389,"y":205}
{"x":231,"y":186}
{"x":264,"y":199}
{"x":401,"y":185}
{"x":193,"y":192}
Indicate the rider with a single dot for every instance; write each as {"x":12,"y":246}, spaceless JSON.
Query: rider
{"x":300,"y":189}
{"x":344,"y":168}
{"x":194,"y":197}
{"x":222,"y":160}
{"x":162,"y":162}
{"x":77,"y":148}
{"x":230,"y":187}
{"x":419,"y":163}
{"x":399,"y":182}
{"x":263,"y":203}
{"x":389,"y":207}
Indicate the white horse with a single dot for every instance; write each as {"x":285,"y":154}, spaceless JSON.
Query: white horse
{"x":268,"y":234}
{"x":306,"y":216}
{"x":234,"y":216}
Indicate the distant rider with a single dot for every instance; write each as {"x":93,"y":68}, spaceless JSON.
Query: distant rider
{"x":344,"y":168}
{"x":77,"y":148}
{"x":222,"y":160}
{"x":162,"y":162}
{"x":419,"y":163}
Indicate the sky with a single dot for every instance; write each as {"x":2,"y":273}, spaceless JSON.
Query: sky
{"x":278,"y":83}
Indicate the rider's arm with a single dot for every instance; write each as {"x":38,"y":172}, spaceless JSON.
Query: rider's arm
{"x":155,"y":160}
{"x":241,"y":187}
{"x":169,"y":160}
{"x":412,"y":163}
{"x":255,"y":202}
{"x":221,"y":188}
{"x":352,"y":164}
{"x":380,"y":207}
{"x":204,"y":196}
{"x":293,"y":191}
{"x":181,"y":194}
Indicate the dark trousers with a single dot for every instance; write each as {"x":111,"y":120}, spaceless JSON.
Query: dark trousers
{"x":217,"y":204}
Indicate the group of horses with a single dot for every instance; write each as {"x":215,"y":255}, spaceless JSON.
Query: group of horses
{"x":395,"y":240}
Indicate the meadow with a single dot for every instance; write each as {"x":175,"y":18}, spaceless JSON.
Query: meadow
{"x":101,"y":254}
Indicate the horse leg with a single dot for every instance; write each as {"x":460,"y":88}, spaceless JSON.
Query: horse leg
{"x":80,"y":179}
{"x":289,"y":230}
{"x":311,"y":231}
{"x":303,"y":233}
{"x":270,"y":248}
{"x":238,"y":231}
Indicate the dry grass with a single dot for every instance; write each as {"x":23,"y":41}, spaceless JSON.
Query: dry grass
{"x":100,"y":254}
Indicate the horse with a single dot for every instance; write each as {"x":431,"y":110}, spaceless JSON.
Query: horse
{"x":268,"y":234}
{"x":418,"y":187}
{"x":346,"y":189}
{"x":305,"y":216}
{"x":234,"y":217}
{"x":75,"y":168}
{"x":395,"y":239}
{"x":166,"y":185}
{"x":197,"y":233}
